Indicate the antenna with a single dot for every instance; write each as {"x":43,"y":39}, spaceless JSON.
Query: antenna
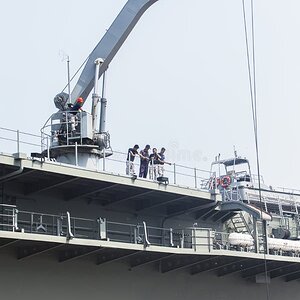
{"x":234,"y":151}
{"x":69,"y":81}
{"x":66,"y":57}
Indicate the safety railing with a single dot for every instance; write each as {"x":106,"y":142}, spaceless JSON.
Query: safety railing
{"x":12,"y":141}
{"x":288,"y":191}
{"x":62,"y":128}
{"x":18,"y":141}
{"x":177,"y":174}
{"x":195,"y":238}
{"x":15,"y":141}
{"x":8,"y":217}
{"x":12,"y":219}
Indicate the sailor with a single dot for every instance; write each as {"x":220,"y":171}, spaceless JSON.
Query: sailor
{"x":132,"y":153}
{"x":71,"y":115}
{"x":161,"y":162}
{"x":144,"y":154}
{"x":74,"y":109}
{"x":153,"y":159}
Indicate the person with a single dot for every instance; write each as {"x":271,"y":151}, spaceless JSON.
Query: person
{"x":161,"y":162}
{"x":144,"y":155}
{"x":132,"y":153}
{"x":74,"y":109}
{"x":71,"y":116}
{"x":153,"y":159}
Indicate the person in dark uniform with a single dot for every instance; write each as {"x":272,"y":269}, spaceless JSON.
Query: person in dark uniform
{"x":71,"y":116}
{"x":144,"y":154}
{"x":161,"y":162}
{"x":132,"y":153}
{"x":153,"y":159}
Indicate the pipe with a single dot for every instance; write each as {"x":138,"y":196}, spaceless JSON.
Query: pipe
{"x":103,"y":106}
{"x":98,"y":62}
{"x":12,"y":174}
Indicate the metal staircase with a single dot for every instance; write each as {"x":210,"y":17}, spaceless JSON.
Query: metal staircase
{"x":240,"y":224}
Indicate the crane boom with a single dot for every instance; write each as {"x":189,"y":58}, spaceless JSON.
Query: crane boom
{"x":109,"y":45}
{"x":74,"y":136}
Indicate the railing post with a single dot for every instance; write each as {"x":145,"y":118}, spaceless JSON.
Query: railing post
{"x":146,"y":241}
{"x":59,"y":226}
{"x":67,"y":124}
{"x":18,"y":141}
{"x":135,"y":232}
{"x":15,"y":219}
{"x":31,"y":222}
{"x":76,"y":154}
{"x":195,"y":174}
{"x":174,"y":173}
{"x":171,"y":237}
{"x":48,"y":148}
{"x":182,"y":239}
{"x":103,"y":166}
{"x":102,"y":228}
{"x":69,"y":232}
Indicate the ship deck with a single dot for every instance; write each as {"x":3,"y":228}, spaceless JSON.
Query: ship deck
{"x":30,"y":179}
{"x":34,"y":177}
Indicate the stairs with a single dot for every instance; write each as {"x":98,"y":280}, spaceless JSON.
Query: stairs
{"x":240,"y":224}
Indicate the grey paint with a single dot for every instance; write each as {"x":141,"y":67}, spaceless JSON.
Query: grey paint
{"x":44,"y":278}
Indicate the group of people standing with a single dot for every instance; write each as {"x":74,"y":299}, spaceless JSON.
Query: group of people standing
{"x":152,"y":163}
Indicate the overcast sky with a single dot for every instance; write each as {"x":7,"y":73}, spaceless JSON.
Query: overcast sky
{"x":179,"y":81}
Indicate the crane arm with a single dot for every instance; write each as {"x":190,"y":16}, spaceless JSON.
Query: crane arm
{"x":109,"y":45}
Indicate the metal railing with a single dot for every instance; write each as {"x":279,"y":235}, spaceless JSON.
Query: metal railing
{"x":67,"y":128}
{"x":8,"y":217}
{"x":12,"y":141}
{"x":18,"y":141}
{"x":15,"y":141}
{"x":195,"y":238}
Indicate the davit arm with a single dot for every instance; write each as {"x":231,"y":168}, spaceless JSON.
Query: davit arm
{"x":109,"y":45}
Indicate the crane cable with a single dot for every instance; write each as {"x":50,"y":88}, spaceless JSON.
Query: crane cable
{"x":253,"y":96}
{"x":80,"y":67}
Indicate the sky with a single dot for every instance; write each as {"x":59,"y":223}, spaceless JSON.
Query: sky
{"x":179,"y":81}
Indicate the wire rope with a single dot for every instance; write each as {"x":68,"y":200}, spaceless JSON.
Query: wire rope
{"x":253,"y":96}
{"x":76,"y":73}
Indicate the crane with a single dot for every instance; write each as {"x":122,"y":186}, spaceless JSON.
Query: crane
{"x":72,"y":128}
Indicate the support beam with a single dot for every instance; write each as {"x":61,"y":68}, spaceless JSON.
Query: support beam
{"x":6,"y":178}
{"x":269,"y":266}
{"x":128,"y":198}
{"x":181,"y":262}
{"x":8,"y":243}
{"x":27,"y":252}
{"x":211,"y":205}
{"x":111,"y":255}
{"x":214,"y":264}
{"x":292,"y":277}
{"x":161,"y":203}
{"x":285,"y":270}
{"x":102,"y":189}
{"x":238,"y":267}
{"x":49,"y":186}
{"x":148,"y":258}
{"x":77,"y":252}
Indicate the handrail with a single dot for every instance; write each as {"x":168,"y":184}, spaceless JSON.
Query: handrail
{"x":194,"y":177}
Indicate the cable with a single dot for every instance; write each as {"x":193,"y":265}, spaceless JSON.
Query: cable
{"x":76,"y":73}
{"x":253,"y":96}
